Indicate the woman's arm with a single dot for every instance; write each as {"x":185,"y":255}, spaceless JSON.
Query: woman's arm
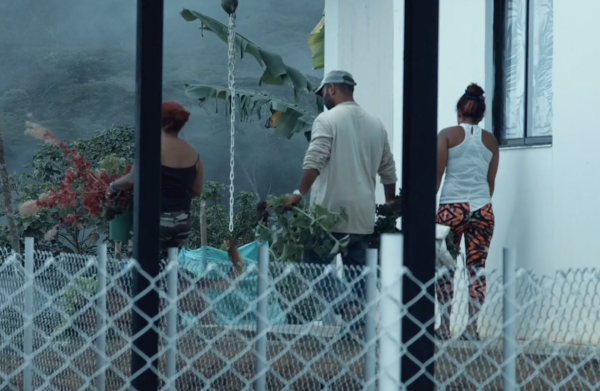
{"x":199,"y":181}
{"x":126,"y":182}
{"x":493,"y":170}
{"x":236,"y":258}
{"x":442,"y":158}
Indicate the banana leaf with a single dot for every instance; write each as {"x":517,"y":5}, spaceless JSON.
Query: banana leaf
{"x":316,"y":44}
{"x":287,"y":119}
{"x":275,"y":71}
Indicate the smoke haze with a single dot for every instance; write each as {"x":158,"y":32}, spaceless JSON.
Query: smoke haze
{"x":72,"y":64}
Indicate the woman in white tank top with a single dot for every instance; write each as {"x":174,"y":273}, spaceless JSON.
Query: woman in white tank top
{"x":468,"y":155}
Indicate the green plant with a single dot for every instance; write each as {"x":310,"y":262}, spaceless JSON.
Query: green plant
{"x":287,"y":118}
{"x":316,"y":44}
{"x":290,"y":232}
{"x":275,"y":71}
{"x":217,"y":217}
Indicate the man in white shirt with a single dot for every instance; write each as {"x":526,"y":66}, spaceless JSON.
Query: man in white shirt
{"x":348,"y":148}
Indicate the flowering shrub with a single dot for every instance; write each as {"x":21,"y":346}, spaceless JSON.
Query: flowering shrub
{"x":109,"y":150}
{"x":83,"y":188}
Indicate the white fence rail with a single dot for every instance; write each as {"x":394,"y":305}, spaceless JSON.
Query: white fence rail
{"x":65,"y":325}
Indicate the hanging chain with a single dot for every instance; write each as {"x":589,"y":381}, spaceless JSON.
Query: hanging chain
{"x":231,"y":82}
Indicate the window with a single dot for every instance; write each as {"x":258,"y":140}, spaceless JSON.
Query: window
{"x":523,"y":62}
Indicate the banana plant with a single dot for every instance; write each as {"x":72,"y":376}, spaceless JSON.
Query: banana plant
{"x":275,"y":71}
{"x":316,"y":44}
{"x":286,"y":118}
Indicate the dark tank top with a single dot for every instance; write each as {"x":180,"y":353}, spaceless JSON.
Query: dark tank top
{"x":176,"y":188}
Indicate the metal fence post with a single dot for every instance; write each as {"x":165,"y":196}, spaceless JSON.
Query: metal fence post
{"x":262,"y":318}
{"x":101,"y":317}
{"x":390,"y":340}
{"x":419,"y":155}
{"x":146,"y":204}
{"x":172,"y":319}
{"x":509,"y":332}
{"x":370,"y":325}
{"x":28,"y":315}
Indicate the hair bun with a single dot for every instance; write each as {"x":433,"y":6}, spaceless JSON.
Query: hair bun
{"x":174,"y":116}
{"x":474,"y":90}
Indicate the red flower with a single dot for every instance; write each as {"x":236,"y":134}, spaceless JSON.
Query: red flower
{"x":90,"y":200}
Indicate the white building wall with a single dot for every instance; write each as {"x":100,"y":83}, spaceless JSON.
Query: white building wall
{"x":356,"y":31}
{"x":546,"y":202}
{"x":575,"y":165}
{"x":546,"y":198}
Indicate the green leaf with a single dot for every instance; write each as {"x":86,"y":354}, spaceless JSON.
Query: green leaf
{"x":276,"y":72}
{"x":294,"y":232}
{"x":316,"y":44}
{"x":264,"y":234}
{"x":286,"y":118}
{"x":320,"y":211}
{"x":327,"y":225}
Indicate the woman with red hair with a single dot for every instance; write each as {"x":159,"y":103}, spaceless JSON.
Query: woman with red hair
{"x":182,"y":175}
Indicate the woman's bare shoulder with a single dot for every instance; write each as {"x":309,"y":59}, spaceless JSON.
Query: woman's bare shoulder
{"x":178,"y":152}
{"x":450,"y":130}
{"x":489,"y":140}
{"x":191,"y":153}
{"x":189,"y":146}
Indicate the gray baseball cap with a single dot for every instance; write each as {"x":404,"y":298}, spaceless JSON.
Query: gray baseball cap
{"x":336,"y":77}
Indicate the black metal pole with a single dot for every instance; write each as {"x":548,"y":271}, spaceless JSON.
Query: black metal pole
{"x":499,"y":48}
{"x":419,"y":156}
{"x":146,"y":249}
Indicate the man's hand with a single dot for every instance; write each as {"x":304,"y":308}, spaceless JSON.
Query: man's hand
{"x":292,"y":200}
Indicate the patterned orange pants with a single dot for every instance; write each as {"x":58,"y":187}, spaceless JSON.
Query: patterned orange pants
{"x":478,"y":228}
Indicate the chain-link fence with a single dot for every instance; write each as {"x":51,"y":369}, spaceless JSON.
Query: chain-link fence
{"x":65,"y":324}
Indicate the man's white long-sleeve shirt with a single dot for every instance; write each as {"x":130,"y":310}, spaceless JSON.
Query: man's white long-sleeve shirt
{"x":349,"y":147}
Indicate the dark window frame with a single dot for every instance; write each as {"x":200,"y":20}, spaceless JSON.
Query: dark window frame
{"x":500,"y":27}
